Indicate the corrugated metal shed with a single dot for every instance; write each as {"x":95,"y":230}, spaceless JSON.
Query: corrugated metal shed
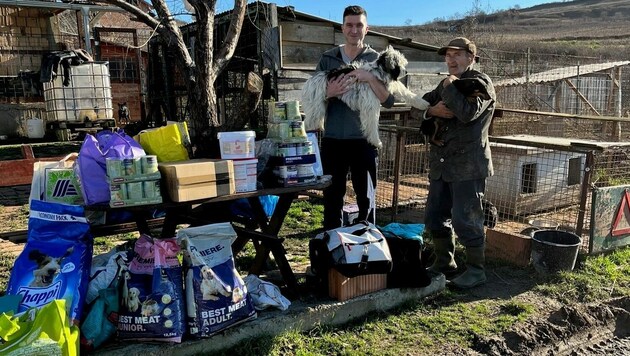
{"x":561,"y":73}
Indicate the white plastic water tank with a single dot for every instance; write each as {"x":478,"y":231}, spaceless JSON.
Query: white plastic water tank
{"x":35,"y":128}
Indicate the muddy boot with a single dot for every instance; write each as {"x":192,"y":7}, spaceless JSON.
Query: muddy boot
{"x":475,"y":274}
{"x":444,"y":250}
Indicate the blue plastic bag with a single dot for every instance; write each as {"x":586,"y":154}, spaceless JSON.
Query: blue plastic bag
{"x":405,"y":231}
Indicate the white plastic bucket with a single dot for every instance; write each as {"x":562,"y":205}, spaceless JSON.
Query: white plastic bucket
{"x":245,"y":173}
{"x":237,"y":144}
{"x":35,"y":128}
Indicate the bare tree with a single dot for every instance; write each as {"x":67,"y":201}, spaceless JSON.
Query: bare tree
{"x":202,"y":67}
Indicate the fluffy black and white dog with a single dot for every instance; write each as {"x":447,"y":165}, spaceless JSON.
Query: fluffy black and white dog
{"x":387,"y":68}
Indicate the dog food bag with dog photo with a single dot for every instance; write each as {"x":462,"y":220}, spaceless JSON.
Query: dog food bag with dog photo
{"x":151,"y":298}
{"x":55,"y":262}
{"x":216,"y":296}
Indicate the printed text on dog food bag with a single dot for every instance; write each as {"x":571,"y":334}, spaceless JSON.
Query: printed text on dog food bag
{"x":216,"y":316}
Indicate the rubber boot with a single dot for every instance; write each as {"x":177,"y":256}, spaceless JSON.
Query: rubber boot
{"x":444,"y":249}
{"x":475,"y":274}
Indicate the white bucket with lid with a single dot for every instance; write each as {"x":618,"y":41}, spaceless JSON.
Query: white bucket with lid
{"x":35,"y":128}
{"x":237,"y":144}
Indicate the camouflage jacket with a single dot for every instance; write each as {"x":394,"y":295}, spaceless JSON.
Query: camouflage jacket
{"x":465,"y":153}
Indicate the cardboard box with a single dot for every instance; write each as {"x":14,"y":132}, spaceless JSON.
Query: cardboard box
{"x":509,"y":247}
{"x":343,"y":288}
{"x":198,"y":179}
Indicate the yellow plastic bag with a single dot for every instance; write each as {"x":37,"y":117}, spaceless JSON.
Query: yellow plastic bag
{"x":45,"y":331}
{"x":168,"y":143}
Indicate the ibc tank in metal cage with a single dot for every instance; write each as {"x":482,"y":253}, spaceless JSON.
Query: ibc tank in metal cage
{"x":88,"y":97}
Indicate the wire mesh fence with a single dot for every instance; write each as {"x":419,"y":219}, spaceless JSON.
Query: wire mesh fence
{"x":539,"y":181}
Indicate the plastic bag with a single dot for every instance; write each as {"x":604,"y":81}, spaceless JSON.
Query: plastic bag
{"x":56,"y":181}
{"x":91,"y":164}
{"x":46,"y":331}
{"x":265,"y":294}
{"x":406,"y":231}
{"x":168,"y":143}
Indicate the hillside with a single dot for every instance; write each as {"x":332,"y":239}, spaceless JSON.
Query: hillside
{"x":581,"y":28}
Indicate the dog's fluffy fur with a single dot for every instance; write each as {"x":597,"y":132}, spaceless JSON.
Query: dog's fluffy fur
{"x":212,"y":286}
{"x":389,"y":65}
{"x":47,"y":267}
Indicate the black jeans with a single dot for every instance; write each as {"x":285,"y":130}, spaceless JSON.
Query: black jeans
{"x":360,"y":159}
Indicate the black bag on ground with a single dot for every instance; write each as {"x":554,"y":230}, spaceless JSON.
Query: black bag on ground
{"x":408,"y":269}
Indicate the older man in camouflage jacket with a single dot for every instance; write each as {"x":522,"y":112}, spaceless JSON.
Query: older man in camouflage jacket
{"x":462,"y":106}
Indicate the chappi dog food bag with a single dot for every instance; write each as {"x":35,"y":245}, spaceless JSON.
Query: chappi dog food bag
{"x":151,"y":299}
{"x":55,"y":262}
{"x":216,"y":296}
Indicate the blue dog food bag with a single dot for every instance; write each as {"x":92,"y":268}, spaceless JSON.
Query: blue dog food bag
{"x":216,"y":296}
{"x":151,"y":300}
{"x":55,"y":262}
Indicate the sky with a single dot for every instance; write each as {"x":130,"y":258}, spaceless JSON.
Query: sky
{"x":384,"y":12}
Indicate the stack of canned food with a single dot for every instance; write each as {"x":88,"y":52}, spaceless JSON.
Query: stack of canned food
{"x":133,"y":181}
{"x":294,"y":153}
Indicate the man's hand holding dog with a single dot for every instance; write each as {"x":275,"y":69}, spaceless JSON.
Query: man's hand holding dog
{"x":440,"y":110}
{"x":338,"y":86}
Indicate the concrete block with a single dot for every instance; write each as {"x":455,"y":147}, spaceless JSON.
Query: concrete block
{"x":509,"y":247}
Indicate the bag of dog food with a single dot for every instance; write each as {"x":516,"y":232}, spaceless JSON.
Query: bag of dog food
{"x":151,"y":298}
{"x":55,"y":262}
{"x":216,"y":296}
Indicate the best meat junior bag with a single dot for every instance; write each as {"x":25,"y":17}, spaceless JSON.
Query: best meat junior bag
{"x":151,"y":298}
{"x":216,"y":296}
{"x":55,"y":262}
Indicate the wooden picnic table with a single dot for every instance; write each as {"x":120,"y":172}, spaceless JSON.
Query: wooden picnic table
{"x":262,"y":230}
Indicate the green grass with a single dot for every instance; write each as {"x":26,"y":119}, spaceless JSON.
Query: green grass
{"x":597,"y":278}
{"x":449,"y":319}
{"x":419,"y":327}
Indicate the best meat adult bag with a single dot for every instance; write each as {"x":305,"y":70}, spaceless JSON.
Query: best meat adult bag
{"x":151,"y":299}
{"x":55,"y":262}
{"x":216,"y":296}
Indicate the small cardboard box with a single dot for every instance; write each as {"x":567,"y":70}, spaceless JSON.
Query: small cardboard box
{"x":198,"y":179}
{"x":343,"y":288}
{"x":510,"y":247}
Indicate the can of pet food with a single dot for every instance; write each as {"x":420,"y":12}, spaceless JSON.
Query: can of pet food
{"x":114,"y":167}
{"x":305,"y":170}
{"x":151,"y":189}
{"x":135,"y":191}
{"x":280,"y":111}
{"x":304,"y":148}
{"x":286,"y":171}
{"x":149,"y":164}
{"x":297,"y":129}
{"x":286,"y":150}
{"x":293,"y":110}
{"x":283,"y":130}
{"x":131,"y":166}
{"x":118,"y":192}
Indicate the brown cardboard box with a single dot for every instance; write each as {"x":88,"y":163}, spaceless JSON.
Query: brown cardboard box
{"x":510,"y":247}
{"x":343,"y":288}
{"x":198,"y":179}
